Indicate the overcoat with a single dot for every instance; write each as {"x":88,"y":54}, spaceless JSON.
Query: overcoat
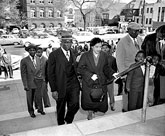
{"x":87,"y":68}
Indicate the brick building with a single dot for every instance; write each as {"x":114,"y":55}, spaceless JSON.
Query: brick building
{"x":43,"y":13}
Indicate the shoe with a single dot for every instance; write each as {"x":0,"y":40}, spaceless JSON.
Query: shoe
{"x":46,"y":106}
{"x":90,"y":116}
{"x":123,"y":110}
{"x":32,"y":115}
{"x":112,"y":108}
{"x":41,"y":112}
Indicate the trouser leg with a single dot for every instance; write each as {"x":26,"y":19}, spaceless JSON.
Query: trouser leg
{"x":38,"y":95}
{"x":30,"y":100}
{"x":61,"y":103}
{"x":10,"y":71}
{"x":132,"y":101}
{"x":72,"y":104}
{"x":125,"y":98}
{"x":111,"y":93}
{"x":45,"y":95}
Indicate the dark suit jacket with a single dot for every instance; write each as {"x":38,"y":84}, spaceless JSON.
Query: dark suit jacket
{"x":135,"y":80}
{"x":28,"y":72}
{"x":149,"y":44}
{"x":57,"y":72}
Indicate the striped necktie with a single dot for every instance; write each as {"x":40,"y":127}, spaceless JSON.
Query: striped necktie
{"x":34,"y":63}
{"x":67,"y":55}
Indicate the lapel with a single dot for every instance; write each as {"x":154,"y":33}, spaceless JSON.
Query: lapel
{"x":91,"y":59}
{"x":62,"y":58}
{"x":31,"y":64}
{"x":140,"y":71}
{"x":101,"y":59}
{"x":38,"y":63}
{"x":130,"y":44}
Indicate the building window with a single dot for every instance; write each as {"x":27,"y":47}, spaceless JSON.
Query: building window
{"x":33,"y":13}
{"x":50,"y":13}
{"x":158,"y":14}
{"x":162,"y":15}
{"x":42,"y":25}
{"x":151,"y":10}
{"x":146,"y":20}
{"x":50,"y":1}
{"x":32,"y":1}
{"x":59,"y":14}
{"x":42,"y":1}
{"x":150,"y":20}
{"x":137,"y":20}
{"x":51,"y":25}
{"x":41,"y":13}
{"x":105,"y":16}
{"x":147,"y":10}
{"x":33,"y":26}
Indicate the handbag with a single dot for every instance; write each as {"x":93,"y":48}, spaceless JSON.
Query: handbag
{"x":97,"y":94}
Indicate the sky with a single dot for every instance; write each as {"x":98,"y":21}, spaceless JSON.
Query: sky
{"x":148,"y":1}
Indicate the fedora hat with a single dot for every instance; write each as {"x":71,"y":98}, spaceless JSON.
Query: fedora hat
{"x":31,"y":46}
{"x":134,"y":26}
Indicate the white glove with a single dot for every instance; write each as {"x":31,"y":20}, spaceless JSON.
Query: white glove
{"x":115,"y":75}
{"x":94,"y":77}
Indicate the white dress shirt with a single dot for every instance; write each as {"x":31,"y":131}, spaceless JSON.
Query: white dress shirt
{"x":66,"y":53}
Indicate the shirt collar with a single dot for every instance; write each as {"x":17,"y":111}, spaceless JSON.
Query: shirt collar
{"x":64,"y":51}
{"x":132,"y":38}
{"x":32,"y":57}
{"x":96,"y":55}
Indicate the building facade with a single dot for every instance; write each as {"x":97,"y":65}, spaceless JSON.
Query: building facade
{"x":43,"y":13}
{"x":149,"y":15}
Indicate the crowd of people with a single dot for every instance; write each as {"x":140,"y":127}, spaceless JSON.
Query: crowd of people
{"x":85,"y":77}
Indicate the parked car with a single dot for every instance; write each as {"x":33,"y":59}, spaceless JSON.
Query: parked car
{"x":9,"y":39}
{"x":15,"y":31}
{"x":83,"y":36}
{"x":42,"y":40}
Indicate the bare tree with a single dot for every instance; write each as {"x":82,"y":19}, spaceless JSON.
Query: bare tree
{"x":84,"y":7}
{"x":103,"y":6}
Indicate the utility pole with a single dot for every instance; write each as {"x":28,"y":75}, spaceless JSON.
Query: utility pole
{"x":143,"y":9}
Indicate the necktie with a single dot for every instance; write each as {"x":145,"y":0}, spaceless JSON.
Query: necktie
{"x":34,"y":63}
{"x":136,"y":44}
{"x":67,"y":55}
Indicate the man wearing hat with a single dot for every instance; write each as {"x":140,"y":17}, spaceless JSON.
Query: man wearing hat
{"x":126,"y":50}
{"x":63,"y":80}
{"x":31,"y":78}
{"x":155,"y":44}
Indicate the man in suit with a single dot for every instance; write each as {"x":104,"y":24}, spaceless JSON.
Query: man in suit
{"x":31,"y":78}
{"x":44,"y":88}
{"x":63,"y":80}
{"x":126,"y":50}
{"x":155,"y":44}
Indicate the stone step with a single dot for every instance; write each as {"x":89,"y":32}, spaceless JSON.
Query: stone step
{"x":98,"y":124}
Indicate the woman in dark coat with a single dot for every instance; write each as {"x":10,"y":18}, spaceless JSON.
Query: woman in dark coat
{"x":94,"y":69}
